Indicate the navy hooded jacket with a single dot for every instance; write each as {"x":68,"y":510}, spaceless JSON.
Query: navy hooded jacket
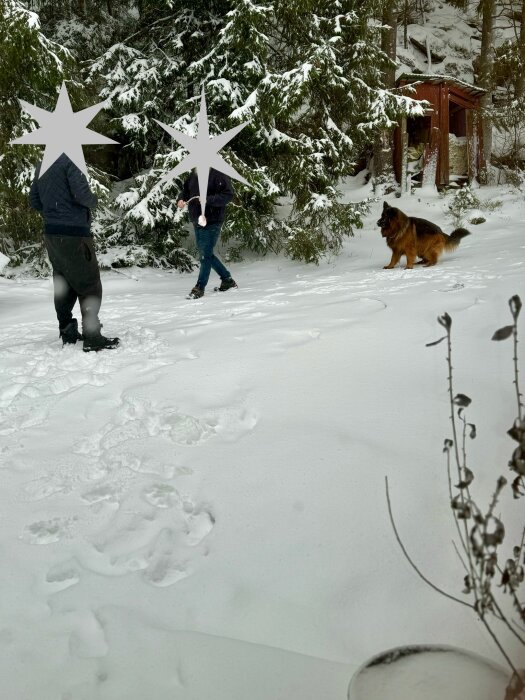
{"x":63,"y":197}
{"x":220,"y":192}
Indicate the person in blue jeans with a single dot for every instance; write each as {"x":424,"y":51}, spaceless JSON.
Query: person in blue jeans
{"x":219,"y":194}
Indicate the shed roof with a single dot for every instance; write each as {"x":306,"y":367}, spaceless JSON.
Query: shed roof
{"x":434,"y":79}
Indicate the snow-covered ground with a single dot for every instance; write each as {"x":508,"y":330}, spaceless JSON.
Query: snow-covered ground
{"x":201,"y":513}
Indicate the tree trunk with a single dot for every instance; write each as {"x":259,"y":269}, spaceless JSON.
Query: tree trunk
{"x":519,"y":85}
{"x":383,"y":171}
{"x":389,"y":41}
{"x":404,"y":155}
{"x":405,"y":24}
{"x":486,"y":63}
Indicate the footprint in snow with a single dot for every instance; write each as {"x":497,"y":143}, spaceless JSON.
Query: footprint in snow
{"x":126,"y":442}
{"x":102,"y":492}
{"x":183,"y":429}
{"x":40,"y":373}
{"x":199,"y":524}
{"x":165,"y":566}
{"x":162,"y":495}
{"x":123,"y":434}
{"x":234,"y":423}
{"x":32,"y":390}
{"x":128,"y":532}
{"x":161,"y":543}
{"x":48,"y":531}
{"x":142,"y":464}
{"x":62,"y":576}
{"x":166,"y":561}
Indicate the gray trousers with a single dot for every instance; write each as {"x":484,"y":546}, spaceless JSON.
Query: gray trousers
{"x":76,"y":275}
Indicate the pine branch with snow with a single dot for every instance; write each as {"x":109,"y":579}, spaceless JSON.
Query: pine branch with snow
{"x":24,"y":50}
{"x":303,"y":73}
{"x":306,"y":76}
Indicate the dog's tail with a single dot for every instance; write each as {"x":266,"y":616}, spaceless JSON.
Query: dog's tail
{"x":455,"y":237}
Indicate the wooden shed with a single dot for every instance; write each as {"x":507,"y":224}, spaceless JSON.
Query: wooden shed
{"x":445,"y":145}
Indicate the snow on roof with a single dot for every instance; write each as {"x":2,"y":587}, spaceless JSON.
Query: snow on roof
{"x":435,"y":79}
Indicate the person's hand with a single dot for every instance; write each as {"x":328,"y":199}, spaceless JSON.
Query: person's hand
{"x":181,"y":204}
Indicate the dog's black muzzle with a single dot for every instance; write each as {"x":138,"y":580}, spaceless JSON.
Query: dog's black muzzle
{"x":383,"y":225}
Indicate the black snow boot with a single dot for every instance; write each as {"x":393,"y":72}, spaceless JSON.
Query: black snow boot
{"x":96,"y":341}
{"x":226,"y":284}
{"x":196,"y":293}
{"x":70,"y":334}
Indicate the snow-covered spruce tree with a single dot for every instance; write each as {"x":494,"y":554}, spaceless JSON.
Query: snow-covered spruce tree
{"x":24,"y":51}
{"x":144,"y":77}
{"x":86,"y":27}
{"x":306,"y":75}
{"x":509,"y":112}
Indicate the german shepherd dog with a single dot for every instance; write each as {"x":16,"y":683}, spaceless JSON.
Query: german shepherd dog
{"x":413,"y":237}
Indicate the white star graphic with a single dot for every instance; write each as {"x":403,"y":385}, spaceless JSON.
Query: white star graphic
{"x":63,"y":131}
{"x":203,"y":152}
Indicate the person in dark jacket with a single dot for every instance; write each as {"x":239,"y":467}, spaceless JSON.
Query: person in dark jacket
{"x":220,"y":192}
{"x":63,"y":197}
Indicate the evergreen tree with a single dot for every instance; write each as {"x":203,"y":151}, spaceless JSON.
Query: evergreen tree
{"x":144,"y":77}
{"x":86,"y":27}
{"x":24,"y":51}
{"x":509,"y":109}
{"x":308,"y":77}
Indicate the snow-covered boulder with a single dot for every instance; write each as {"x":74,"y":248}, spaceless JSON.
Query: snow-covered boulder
{"x":4,"y":261}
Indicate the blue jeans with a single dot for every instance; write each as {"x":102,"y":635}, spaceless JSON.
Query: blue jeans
{"x":206,"y":238}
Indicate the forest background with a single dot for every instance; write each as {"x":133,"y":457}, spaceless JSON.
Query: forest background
{"x":314,"y":80}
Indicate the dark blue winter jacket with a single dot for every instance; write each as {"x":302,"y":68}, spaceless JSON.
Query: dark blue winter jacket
{"x":220,"y":192}
{"x":63,"y":197}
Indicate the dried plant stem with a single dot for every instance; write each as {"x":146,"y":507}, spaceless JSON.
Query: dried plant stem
{"x":478,"y":573}
{"x":449,"y":476}
{"x":451,"y":397}
{"x":503,"y":619}
{"x":407,"y":556}
{"x":500,"y":647}
{"x":464,"y":536}
{"x":516,"y":371}
{"x":464,"y":441}
{"x":481,"y":540}
{"x":456,"y":522}
{"x":459,"y":556}
{"x":516,"y":601}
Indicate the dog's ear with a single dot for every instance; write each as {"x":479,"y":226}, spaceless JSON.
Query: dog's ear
{"x":386,"y":205}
